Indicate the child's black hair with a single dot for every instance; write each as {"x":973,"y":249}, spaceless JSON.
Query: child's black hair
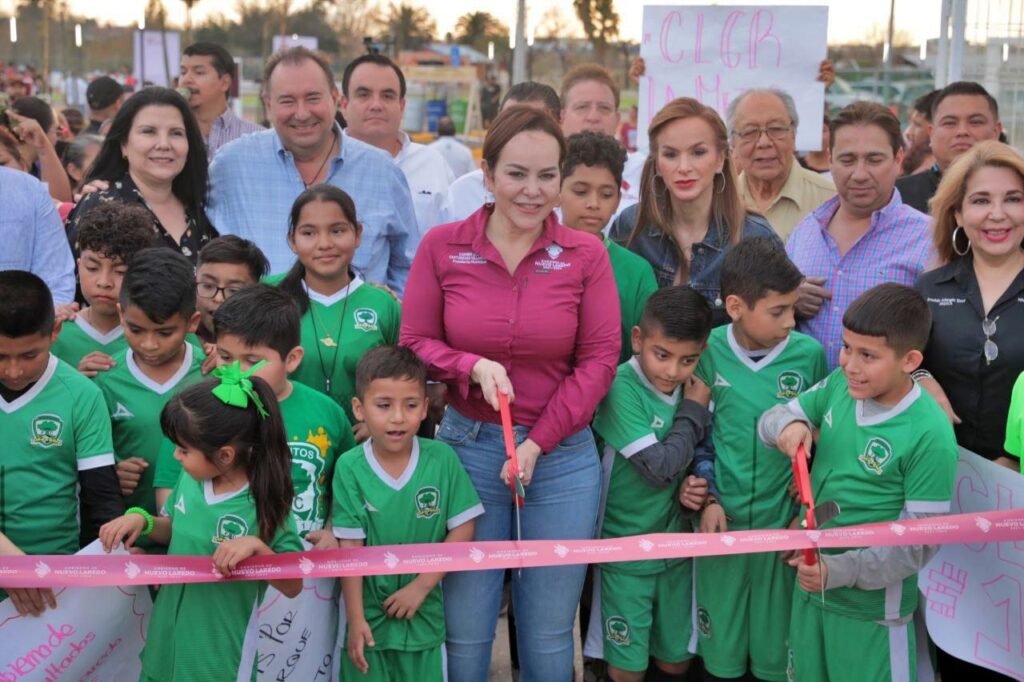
{"x":595,"y":150}
{"x":236,"y":251}
{"x":678,"y":312}
{"x":755,"y":267}
{"x":893,"y":311}
{"x":260,"y":315}
{"x":116,"y":230}
{"x":161,"y":283}
{"x":292,"y":282}
{"x":26,"y":305}
{"x":196,"y":418}
{"x":389,"y":362}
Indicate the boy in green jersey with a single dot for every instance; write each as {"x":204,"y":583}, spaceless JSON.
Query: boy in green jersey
{"x":650,"y":422}
{"x":158,"y":309}
{"x":109,"y":236}
{"x":396,"y":488}
{"x":57,"y":450}
{"x":750,"y":365}
{"x":591,"y":188}
{"x":885,"y":452}
{"x":226,"y":265}
{"x":261,"y":324}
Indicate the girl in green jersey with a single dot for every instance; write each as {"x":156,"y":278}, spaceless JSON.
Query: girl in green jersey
{"x":234,"y":503}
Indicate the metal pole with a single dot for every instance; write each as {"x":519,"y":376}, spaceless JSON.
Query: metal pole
{"x":942,"y":56}
{"x":887,"y":78}
{"x":959,"y":39}
{"x":519,"y":54}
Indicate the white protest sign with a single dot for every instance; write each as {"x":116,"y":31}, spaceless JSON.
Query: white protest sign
{"x":297,"y":636}
{"x":95,"y":634}
{"x":714,"y":53}
{"x":975,"y":593}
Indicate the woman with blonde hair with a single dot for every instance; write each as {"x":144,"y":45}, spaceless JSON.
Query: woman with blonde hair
{"x":690,"y":211}
{"x":976,"y":349}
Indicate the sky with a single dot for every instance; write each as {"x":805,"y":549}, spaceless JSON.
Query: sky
{"x":849,"y":20}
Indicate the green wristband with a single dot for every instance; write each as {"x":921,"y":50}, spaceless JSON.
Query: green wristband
{"x":144,"y":514}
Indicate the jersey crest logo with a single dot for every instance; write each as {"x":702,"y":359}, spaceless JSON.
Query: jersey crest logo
{"x":428,"y":502}
{"x":828,"y":417}
{"x":790,"y":384}
{"x":657,"y":423}
{"x":616,"y":631}
{"x":122,"y":412}
{"x":365,"y":319}
{"x":180,"y":505}
{"x":308,"y":477}
{"x":877,"y":453}
{"x":704,"y":622}
{"x":229,"y":527}
{"x":46,"y":431}
{"x":720,"y":381}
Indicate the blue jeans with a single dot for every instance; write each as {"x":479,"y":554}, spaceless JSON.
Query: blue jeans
{"x":561,"y":504}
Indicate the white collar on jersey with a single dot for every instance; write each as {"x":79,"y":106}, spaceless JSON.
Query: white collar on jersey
{"x":671,"y":399}
{"x":215,"y":498}
{"x":894,"y":411}
{"x":30,"y":395}
{"x":344,"y":292}
{"x":95,"y":334}
{"x":389,"y":481}
{"x":744,"y":357}
{"x":160,"y":389}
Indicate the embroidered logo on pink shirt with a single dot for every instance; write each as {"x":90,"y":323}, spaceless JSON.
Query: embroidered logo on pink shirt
{"x":467,"y":258}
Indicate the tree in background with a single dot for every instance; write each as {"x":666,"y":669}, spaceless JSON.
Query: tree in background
{"x":476,"y":29}
{"x":410,"y":26}
{"x":600,"y":24}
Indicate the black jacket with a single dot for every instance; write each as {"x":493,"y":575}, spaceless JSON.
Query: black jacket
{"x":918,"y":189}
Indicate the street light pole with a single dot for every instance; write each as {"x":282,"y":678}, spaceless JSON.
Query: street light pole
{"x":519,"y":52}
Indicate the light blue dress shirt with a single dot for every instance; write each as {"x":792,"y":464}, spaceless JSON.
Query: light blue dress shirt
{"x":254,"y":181}
{"x":32,"y":235}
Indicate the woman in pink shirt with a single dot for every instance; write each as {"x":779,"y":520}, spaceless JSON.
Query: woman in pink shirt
{"x":510,"y":300}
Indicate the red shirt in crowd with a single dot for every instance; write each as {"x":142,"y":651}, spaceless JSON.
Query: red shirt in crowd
{"x":553,"y":324}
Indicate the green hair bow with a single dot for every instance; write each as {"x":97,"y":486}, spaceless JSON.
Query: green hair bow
{"x":236,"y":388}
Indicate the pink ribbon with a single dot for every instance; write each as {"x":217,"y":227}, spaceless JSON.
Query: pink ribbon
{"x":95,"y":571}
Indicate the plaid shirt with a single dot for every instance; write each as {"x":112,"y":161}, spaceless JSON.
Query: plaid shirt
{"x":896,"y":248}
{"x":228,"y":127}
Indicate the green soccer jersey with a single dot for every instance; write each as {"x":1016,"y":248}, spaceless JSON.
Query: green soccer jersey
{"x":633,"y":416}
{"x":318,"y":431}
{"x":635,"y":281}
{"x":337,"y":330}
{"x":135,"y":402}
{"x":78,"y":338}
{"x":1015,"y":421}
{"x":876,"y":467}
{"x":752,"y":479}
{"x":51,"y":432}
{"x":433,"y":496}
{"x":218,"y":617}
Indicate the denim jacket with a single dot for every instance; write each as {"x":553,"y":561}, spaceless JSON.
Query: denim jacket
{"x":660,"y":250}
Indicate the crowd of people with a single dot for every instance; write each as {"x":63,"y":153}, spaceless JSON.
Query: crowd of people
{"x":184,"y":295}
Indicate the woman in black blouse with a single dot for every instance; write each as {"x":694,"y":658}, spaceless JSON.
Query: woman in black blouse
{"x":976,"y":350}
{"x":154,"y":155}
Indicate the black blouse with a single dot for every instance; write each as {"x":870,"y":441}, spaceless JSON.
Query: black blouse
{"x":198,"y":230}
{"x":978,"y":390}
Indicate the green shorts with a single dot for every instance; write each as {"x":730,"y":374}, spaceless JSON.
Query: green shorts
{"x":647,"y":616}
{"x":827,"y":646}
{"x":743,"y":605}
{"x":391,"y":665}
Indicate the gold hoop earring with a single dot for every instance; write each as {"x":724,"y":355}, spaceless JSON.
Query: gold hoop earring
{"x":718,"y":191}
{"x":967,"y":249}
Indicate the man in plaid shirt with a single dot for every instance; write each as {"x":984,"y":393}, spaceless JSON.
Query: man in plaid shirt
{"x":864,"y":236}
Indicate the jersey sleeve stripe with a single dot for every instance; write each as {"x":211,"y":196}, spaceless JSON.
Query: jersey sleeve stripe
{"x":349,"y":533}
{"x":928,"y":506}
{"x":797,"y":410}
{"x":471,"y":513}
{"x":96,"y":461}
{"x":638,"y":445}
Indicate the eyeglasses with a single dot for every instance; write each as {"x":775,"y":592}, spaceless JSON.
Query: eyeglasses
{"x":776,"y":133}
{"x":988,"y":328}
{"x":207,"y":290}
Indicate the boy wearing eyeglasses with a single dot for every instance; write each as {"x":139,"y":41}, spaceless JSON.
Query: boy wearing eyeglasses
{"x":226,"y":264}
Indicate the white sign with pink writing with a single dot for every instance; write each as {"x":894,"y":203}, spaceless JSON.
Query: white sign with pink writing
{"x":94,"y":635}
{"x":714,"y":53}
{"x":975,"y":592}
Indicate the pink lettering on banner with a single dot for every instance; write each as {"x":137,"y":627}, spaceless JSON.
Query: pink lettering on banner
{"x":759,"y":35}
{"x":49,"y":656}
{"x":1003,"y":651}
{"x":729,"y":59}
{"x":1002,"y":526}
{"x":945,"y":588}
{"x":663,"y":42}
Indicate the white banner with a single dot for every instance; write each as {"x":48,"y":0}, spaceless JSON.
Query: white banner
{"x":975,"y":593}
{"x":714,"y":53}
{"x":156,"y":56}
{"x":94,"y":635}
{"x":297,"y":636}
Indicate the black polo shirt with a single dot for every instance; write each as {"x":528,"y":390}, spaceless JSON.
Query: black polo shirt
{"x":979,"y":391}
{"x":917,"y":189}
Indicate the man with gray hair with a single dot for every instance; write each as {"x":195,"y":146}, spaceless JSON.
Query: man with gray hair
{"x":762,"y":127}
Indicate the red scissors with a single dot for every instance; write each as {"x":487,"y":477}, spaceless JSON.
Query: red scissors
{"x":518,"y":492}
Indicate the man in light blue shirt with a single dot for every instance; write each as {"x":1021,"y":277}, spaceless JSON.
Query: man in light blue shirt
{"x":32,"y":235}
{"x":255,"y":179}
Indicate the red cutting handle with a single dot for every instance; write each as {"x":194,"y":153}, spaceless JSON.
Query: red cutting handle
{"x":510,"y":448}
{"x":802,"y":476}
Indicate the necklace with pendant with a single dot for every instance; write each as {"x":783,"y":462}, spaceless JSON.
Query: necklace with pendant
{"x":328,"y":340}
